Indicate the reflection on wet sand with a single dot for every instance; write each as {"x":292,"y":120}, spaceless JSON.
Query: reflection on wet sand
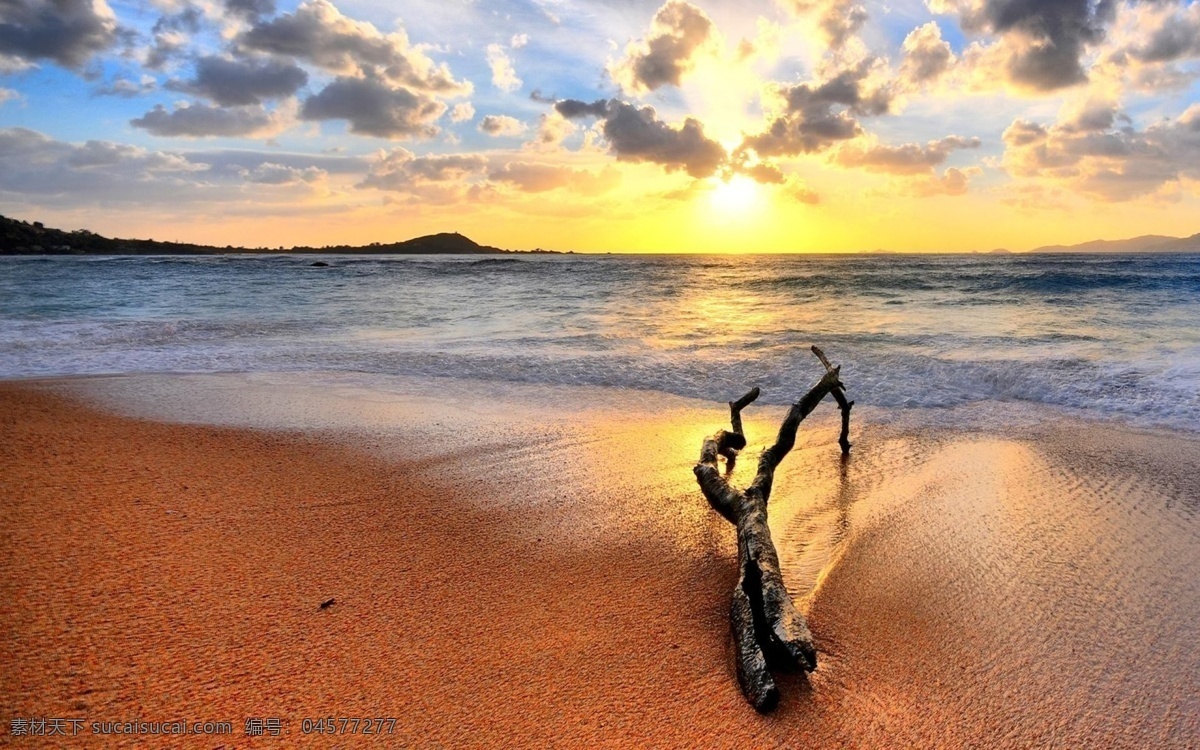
{"x":968,"y":589}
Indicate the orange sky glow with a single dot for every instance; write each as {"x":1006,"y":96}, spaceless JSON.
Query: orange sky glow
{"x":606,"y":125}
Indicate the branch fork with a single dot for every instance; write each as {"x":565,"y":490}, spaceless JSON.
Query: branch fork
{"x":768,"y":631}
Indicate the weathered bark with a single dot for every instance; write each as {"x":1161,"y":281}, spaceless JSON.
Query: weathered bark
{"x":768,"y":631}
{"x":839,"y":395}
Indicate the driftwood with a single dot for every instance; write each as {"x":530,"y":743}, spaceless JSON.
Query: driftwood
{"x":768,"y":631}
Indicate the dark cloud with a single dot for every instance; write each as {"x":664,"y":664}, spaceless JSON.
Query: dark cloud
{"x":251,"y":10}
{"x":909,"y":158}
{"x":1092,"y":115}
{"x":1169,"y":32}
{"x":679,"y":30}
{"x":1175,"y":40}
{"x":838,"y":20}
{"x":818,"y":115}
{"x":171,"y":34}
{"x":637,"y":135}
{"x":1042,"y":41}
{"x":1113,"y":164}
{"x":318,"y":33}
{"x":234,"y":82}
{"x":373,"y":108}
{"x":573,"y":109}
{"x":203,"y":121}
{"x":69,"y":32}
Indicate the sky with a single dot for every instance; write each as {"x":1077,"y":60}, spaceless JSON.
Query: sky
{"x":605,"y":125}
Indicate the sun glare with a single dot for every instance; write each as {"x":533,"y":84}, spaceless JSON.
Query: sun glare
{"x":737,"y":195}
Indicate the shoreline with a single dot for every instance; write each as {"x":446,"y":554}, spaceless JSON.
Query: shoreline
{"x":554,"y":577}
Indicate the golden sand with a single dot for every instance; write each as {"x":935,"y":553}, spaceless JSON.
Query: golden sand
{"x":572,"y":590}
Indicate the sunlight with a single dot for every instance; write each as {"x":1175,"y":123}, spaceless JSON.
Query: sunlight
{"x":738,"y":195}
{"x":724,"y":93}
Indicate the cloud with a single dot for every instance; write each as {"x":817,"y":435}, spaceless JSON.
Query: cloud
{"x":552,"y":130}
{"x":953,"y":181}
{"x":432,"y":179}
{"x":504,"y":77}
{"x":518,"y":41}
{"x":678,"y":32}
{"x":97,"y":172}
{"x":501,"y":125}
{"x":68,"y":32}
{"x":203,"y":121}
{"x":125,"y":88}
{"x":637,"y":135}
{"x":462,"y":112}
{"x":41,"y":171}
{"x":269,"y":173}
{"x":800,"y":190}
{"x":171,"y":35}
{"x":1170,"y":36}
{"x":837,"y":20}
{"x":235,"y":82}
{"x":1041,"y":42}
{"x":8,"y":95}
{"x":1111,"y":164}
{"x":537,"y":178}
{"x":250,"y":10}
{"x":373,"y":108}
{"x":765,"y":45}
{"x":909,"y":158}
{"x":926,"y":55}
{"x":318,"y":33}
{"x":764,"y":172}
{"x":573,"y":108}
{"x":1153,"y":44}
{"x":818,"y":114}
{"x":1088,"y":115}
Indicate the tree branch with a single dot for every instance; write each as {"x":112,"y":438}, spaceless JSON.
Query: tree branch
{"x":767,"y":628}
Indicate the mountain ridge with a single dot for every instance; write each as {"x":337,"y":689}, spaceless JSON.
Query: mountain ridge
{"x":1147,"y":243}
{"x":33,"y":238}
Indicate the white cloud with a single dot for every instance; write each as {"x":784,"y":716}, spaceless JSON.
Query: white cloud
{"x":504,"y":76}
{"x":462,"y":112}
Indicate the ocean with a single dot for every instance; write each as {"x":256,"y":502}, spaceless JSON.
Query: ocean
{"x":1009,"y":337}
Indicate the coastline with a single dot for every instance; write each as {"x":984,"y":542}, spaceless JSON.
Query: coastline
{"x":512,"y":572}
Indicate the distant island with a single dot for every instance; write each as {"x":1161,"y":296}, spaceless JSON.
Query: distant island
{"x":25,"y":238}
{"x":1149,"y":243}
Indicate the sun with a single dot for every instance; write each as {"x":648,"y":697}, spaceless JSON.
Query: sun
{"x":737,"y":195}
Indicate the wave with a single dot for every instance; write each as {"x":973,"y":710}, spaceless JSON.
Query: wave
{"x":1106,"y":336}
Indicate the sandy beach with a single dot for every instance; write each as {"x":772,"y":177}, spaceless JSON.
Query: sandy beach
{"x":515,"y":571}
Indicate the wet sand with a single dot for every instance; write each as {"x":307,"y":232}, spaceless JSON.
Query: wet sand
{"x":506,"y":573}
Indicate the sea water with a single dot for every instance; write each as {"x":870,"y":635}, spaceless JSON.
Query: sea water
{"x":1103,"y":336}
